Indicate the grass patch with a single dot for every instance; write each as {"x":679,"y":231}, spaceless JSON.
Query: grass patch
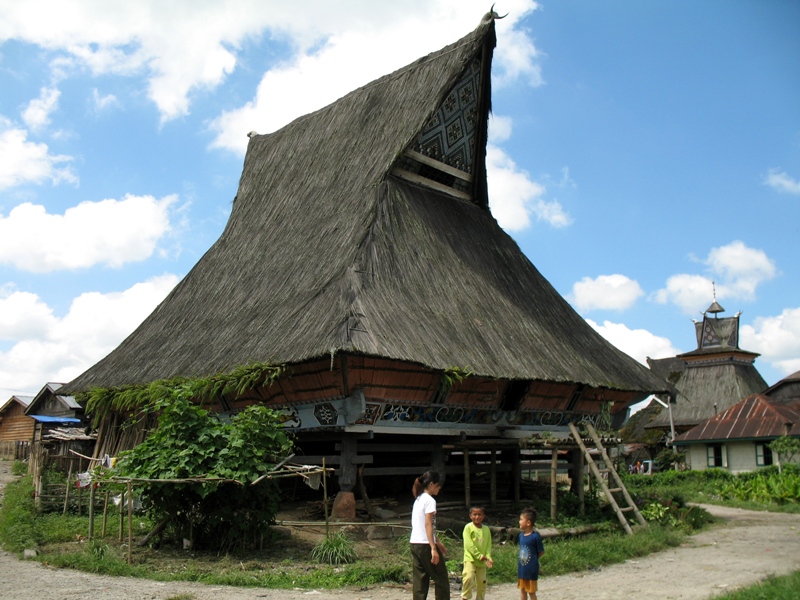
{"x":570,"y":555}
{"x":772,"y":588}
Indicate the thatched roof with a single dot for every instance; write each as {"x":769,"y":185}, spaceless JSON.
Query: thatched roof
{"x":705,"y":388}
{"x":329,"y":250}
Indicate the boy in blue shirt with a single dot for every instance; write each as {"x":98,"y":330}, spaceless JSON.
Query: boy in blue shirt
{"x":530,"y":549}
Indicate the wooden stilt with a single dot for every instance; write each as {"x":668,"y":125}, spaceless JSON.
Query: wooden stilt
{"x":554,"y":485}
{"x":517,"y":469}
{"x":467,"y":498}
{"x":581,"y":472}
{"x":493,"y":479}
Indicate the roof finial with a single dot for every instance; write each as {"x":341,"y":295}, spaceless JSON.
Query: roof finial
{"x":491,"y":16}
{"x":714,"y":308}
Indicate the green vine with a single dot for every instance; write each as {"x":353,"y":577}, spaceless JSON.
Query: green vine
{"x":101,"y":402}
{"x":450,"y":377}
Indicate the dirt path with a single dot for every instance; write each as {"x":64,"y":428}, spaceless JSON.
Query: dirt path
{"x":750,"y":546}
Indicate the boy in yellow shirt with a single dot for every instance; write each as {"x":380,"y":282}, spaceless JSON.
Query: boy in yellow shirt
{"x":477,"y":555}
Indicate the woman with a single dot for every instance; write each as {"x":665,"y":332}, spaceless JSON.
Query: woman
{"x":427,"y":552}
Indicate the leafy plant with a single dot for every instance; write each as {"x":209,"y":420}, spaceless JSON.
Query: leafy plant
{"x":336,"y":549}
{"x":218,"y":508}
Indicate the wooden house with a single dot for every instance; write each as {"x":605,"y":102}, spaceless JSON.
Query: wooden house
{"x":16,"y":428}
{"x":738,"y":438}
{"x":59,"y":422}
{"x":362,"y":256}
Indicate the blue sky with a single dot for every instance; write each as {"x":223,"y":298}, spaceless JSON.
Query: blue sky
{"x":638,"y":152}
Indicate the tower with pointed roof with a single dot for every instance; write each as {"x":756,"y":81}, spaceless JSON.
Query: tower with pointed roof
{"x":712,"y":377}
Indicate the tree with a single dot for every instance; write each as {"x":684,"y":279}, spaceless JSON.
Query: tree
{"x":785,"y":447}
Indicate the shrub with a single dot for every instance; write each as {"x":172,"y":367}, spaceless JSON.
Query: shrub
{"x":191,"y":443}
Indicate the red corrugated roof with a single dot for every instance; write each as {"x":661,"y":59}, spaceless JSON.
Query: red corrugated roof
{"x":757,"y":416}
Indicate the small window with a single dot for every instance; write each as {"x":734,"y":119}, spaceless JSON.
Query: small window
{"x":714,"y":455}
{"x":763,"y":455}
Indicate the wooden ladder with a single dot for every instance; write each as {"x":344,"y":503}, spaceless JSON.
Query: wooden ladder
{"x":598,"y":475}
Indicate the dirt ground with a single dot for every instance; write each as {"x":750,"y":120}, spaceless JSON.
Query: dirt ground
{"x":745,"y":548}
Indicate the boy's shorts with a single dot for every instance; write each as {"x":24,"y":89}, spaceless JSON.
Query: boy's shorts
{"x":528,"y":585}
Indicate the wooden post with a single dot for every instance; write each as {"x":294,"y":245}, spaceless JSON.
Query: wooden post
{"x":121,"y":518}
{"x":493,"y":479}
{"x":66,"y":493}
{"x":80,"y":500}
{"x":325,"y":496}
{"x":130,"y":522}
{"x":581,"y":471}
{"x":91,"y":511}
{"x":467,"y":499}
{"x":553,"y":485}
{"x":105,"y":514}
{"x":517,"y":475}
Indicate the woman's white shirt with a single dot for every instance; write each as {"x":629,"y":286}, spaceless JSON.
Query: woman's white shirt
{"x":423,"y":505}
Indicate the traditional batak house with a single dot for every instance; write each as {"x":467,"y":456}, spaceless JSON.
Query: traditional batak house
{"x":709,"y":379}
{"x":361,"y":255}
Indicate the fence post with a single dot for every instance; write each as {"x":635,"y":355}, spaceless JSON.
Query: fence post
{"x":130,"y":522}
{"x":91,"y":511}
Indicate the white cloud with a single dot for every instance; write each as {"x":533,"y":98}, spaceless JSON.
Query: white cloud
{"x":637,"y":343}
{"x":37,"y":114}
{"x":23,"y":314}
{"x":100,"y":103}
{"x":187,"y":45}
{"x":500,"y":128}
{"x":777,"y":339}
{"x":782,"y":182}
{"x":22,"y":161}
{"x":49,"y":348}
{"x":110,"y":232}
{"x":736,"y":269}
{"x":515,"y":198}
{"x":610,"y":292}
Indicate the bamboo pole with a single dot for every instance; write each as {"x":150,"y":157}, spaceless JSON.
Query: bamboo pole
{"x":121,"y":517}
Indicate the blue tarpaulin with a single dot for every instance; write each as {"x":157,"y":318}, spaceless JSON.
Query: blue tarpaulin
{"x":48,"y":419}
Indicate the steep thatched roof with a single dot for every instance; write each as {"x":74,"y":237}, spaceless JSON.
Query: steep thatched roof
{"x":329,"y":250}
{"x":705,"y":389}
